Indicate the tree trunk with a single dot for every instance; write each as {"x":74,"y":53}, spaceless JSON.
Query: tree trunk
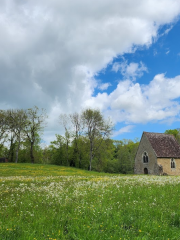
{"x":79,"y":160}
{"x":11,"y":151}
{"x":91,"y":156}
{"x":67,"y":153}
{"x":17,"y":151}
{"x":77,"y":152}
{"x":32,"y":155}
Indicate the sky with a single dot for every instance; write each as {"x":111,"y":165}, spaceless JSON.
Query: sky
{"x":121,"y":57}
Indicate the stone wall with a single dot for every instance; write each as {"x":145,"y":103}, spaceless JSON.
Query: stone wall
{"x":166,"y":163}
{"x":152,"y":166}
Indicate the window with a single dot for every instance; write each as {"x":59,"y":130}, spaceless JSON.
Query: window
{"x":145,"y":157}
{"x":173,"y":163}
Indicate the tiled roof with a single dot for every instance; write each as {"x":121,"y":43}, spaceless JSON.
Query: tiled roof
{"x":164,"y":145}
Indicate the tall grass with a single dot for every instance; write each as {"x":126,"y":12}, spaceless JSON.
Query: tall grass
{"x":49,"y":202}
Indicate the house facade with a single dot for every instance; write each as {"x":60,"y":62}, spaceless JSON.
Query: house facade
{"x":157,"y":154}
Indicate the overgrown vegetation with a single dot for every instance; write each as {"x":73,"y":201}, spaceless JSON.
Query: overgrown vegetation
{"x":60,"y":203}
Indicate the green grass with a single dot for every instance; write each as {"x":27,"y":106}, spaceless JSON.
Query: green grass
{"x":25,"y":169}
{"x":51,"y":202}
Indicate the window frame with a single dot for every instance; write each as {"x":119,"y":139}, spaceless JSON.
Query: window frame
{"x":145,"y":157}
{"x":173,"y":163}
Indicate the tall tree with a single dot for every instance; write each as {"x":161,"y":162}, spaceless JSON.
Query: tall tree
{"x":11,"y":150}
{"x":17,"y":120}
{"x":96,"y":127}
{"x":34,"y":127}
{"x":65,"y":122}
{"x":77,"y":124}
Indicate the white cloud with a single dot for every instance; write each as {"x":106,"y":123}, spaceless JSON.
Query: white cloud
{"x":167,"y":31}
{"x":125,"y":129}
{"x":155,"y":52}
{"x":130,"y":71}
{"x":167,"y":52}
{"x":50,"y":51}
{"x":104,"y":86}
{"x":134,"y":103}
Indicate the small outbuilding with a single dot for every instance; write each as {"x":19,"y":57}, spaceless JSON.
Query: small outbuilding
{"x":157,"y":154}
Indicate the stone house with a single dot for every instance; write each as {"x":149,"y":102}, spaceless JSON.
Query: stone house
{"x":157,"y":154}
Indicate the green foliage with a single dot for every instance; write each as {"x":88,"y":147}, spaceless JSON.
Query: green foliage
{"x":103,"y":155}
{"x":108,"y":155}
{"x":125,"y":154}
{"x":3,"y":151}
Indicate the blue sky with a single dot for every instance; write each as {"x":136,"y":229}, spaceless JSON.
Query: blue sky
{"x":119,"y":56}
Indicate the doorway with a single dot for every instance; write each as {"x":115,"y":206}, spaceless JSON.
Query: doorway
{"x":145,"y":171}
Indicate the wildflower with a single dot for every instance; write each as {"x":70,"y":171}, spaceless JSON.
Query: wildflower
{"x":140,"y":230}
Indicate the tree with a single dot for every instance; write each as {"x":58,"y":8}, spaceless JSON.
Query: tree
{"x":3,"y":127}
{"x":77,"y":124}
{"x":12,"y":146}
{"x":34,"y":126}
{"x":17,"y":120}
{"x":95,"y":128}
{"x":104,"y":156}
{"x":57,"y":150}
{"x":65,"y":121}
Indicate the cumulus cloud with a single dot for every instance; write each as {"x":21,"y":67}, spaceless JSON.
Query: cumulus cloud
{"x":50,"y":51}
{"x":134,"y":103}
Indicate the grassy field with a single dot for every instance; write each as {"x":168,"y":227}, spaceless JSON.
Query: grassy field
{"x":50,"y":202}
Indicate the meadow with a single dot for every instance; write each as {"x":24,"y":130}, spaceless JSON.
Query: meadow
{"x":46,"y":202}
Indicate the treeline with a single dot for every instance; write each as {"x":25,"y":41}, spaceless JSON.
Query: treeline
{"x":86,"y":142}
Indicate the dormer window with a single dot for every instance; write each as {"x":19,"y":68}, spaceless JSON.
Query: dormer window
{"x":173,"y":163}
{"x":145,"y":157}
